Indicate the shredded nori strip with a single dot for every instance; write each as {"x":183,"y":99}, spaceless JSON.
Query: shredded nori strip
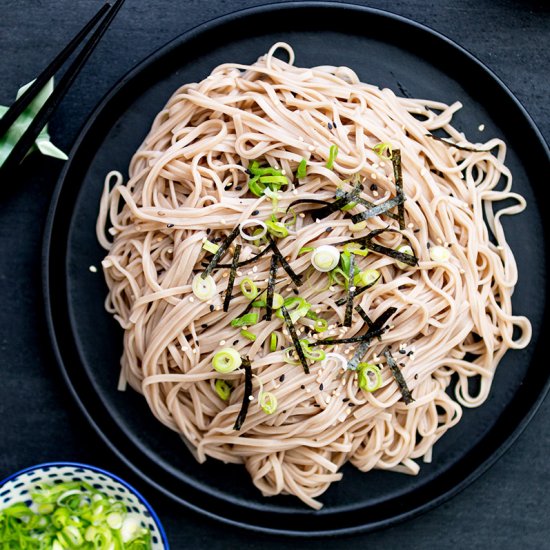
{"x":364,"y":315}
{"x":217,"y":256}
{"x":342,"y":301}
{"x":398,"y":375}
{"x":351,"y":340}
{"x":342,"y":198}
{"x":359,"y":354}
{"x":378,"y":209}
{"x":250,"y":260}
{"x":398,"y":175}
{"x":295,"y":339}
{"x":296,"y":279}
{"x":461,"y":147}
{"x":247,"y":393}
{"x":396,"y":255}
{"x":367,"y":241}
{"x":232,"y":275}
{"x":271,"y":286}
{"x":351,"y":292}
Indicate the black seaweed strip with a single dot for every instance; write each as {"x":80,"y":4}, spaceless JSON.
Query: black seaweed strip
{"x":217,"y":256}
{"x":368,"y":204}
{"x":364,"y":315}
{"x":250,"y":260}
{"x":295,"y":339}
{"x":462,"y":148}
{"x":367,"y":241}
{"x":359,"y":354}
{"x":398,"y":375}
{"x":247,"y":393}
{"x":232,"y":275}
{"x":378,"y":209}
{"x":398,"y":175}
{"x":351,"y":293}
{"x":351,"y":340}
{"x":271,"y":286}
{"x":296,"y":279}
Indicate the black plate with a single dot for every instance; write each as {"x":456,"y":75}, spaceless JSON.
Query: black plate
{"x":386,"y":50}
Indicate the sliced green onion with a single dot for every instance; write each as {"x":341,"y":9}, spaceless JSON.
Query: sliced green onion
{"x":273,"y":342}
{"x":209,"y":246}
{"x":383,"y":150}
{"x":439,"y":254}
{"x":226,"y":360}
{"x":348,"y":206}
{"x":245,"y":320}
{"x":366,"y":277}
{"x":404,"y":249}
{"x":296,"y":306}
{"x":338,"y":277}
{"x":223,"y":389}
{"x":369,"y":377}
{"x":355,"y":248}
{"x":255,"y":187}
{"x":268,"y":402}
{"x":73,"y":515}
{"x":321,"y":325}
{"x":356,"y":227}
{"x":277,"y":229}
{"x":248,"y":335}
{"x":278,"y":301}
{"x":280,"y":180}
{"x":325,"y":258}
{"x":249,"y":288}
{"x":256,"y":235}
{"x":333,"y":153}
{"x":203,"y":288}
{"x":314,"y":354}
{"x":301,"y":172}
{"x":274,"y":196}
{"x":305,"y":249}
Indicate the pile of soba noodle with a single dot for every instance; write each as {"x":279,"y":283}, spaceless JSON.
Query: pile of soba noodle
{"x":188,"y":182}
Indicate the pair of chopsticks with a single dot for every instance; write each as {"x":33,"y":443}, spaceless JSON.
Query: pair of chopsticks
{"x":104,"y":17}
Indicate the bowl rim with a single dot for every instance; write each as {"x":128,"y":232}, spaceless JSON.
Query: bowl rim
{"x":116,"y":478}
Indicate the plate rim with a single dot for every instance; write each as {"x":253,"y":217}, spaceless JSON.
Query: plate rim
{"x":61,"y":183}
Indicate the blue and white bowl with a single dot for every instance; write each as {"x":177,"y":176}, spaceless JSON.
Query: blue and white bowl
{"x":17,"y":488}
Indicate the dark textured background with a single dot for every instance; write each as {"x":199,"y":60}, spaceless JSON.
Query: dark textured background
{"x":506,"y":508}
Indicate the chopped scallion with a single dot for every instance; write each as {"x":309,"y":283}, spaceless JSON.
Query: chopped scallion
{"x":249,"y":288}
{"x":248,"y":335}
{"x":268,"y":402}
{"x":209,"y":246}
{"x":333,"y":153}
{"x":301,"y":172}
{"x":226,"y":360}
{"x":223,"y":389}
{"x":246,"y":320}
{"x":369,"y":377}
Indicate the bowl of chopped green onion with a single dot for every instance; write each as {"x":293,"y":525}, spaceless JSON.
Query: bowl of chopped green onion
{"x":69,"y":505}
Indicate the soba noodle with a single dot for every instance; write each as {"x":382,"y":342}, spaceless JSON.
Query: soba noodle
{"x":188,"y":182}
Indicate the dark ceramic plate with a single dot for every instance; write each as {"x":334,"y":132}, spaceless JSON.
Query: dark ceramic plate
{"x":385,"y":50}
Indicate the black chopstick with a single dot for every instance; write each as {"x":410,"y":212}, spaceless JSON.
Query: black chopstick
{"x":40,"y":120}
{"x":23,"y":102}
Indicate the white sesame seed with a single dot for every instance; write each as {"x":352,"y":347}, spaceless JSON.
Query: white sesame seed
{"x":93,"y":269}
{"x":194,"y":350}
{"x":302,"y":215}
{"x":311,"y":148}
{"x":223,"y":222}
{"x":317,"y":220}
{"x":481,"y":127}
{"x":308,"y":390}
{"x":382,"y":164}
{"x":283,"y":172}
{"x":222,"y":342}
{"x":411,"y":226}
{"x":375,"y":193}
{"x":327,"y":399}
{"x":191,"y":299}
{"x":373,"y":176}
{"x":352,"y":288}
{"x":251,"y":398}
{"x":331,"y":288}
{"x":424,"y":172}
{"x":185,"y":348}
{"x":254,"y":269}
{"x":295,"y":191}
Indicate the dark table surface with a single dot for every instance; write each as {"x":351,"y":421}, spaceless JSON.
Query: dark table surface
{"x":507,"y":507}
